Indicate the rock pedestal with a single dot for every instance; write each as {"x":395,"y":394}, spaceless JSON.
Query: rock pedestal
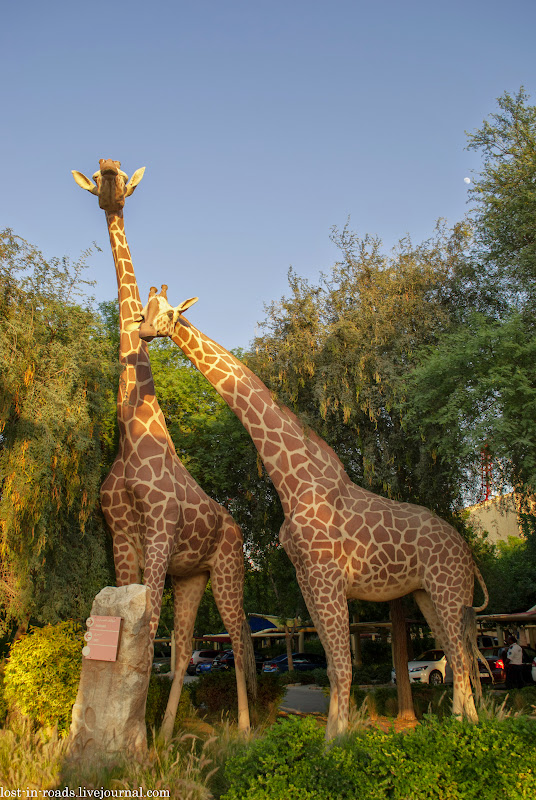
{"x":109,"y":713}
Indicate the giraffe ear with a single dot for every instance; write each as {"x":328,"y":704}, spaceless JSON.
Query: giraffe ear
{"x":180,"y":309}
{"x":133,"y":182}
{"x":84,"y":182}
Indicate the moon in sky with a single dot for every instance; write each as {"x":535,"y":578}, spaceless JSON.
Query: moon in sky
{"x":467,"y":180}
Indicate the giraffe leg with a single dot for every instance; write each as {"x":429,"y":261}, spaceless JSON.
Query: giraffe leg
{"x":227,"y":581}
{"x":446,"y":624}
{"x":329,"y":611}
{"x":187,"y":594}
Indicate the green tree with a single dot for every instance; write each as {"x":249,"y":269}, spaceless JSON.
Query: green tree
{"x":477,"y":388}
{"x":504,"y":193}
{"x":339,"y":354}
{"x":56,"y":377}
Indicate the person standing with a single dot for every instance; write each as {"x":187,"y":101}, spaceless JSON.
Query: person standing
{"x":514,"y":664}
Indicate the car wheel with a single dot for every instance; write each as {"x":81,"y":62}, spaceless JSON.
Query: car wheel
{"x":436,"y":678}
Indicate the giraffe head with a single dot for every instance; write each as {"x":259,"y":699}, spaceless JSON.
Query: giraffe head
{"x":111,"y":185}
{"x":158,"y":318}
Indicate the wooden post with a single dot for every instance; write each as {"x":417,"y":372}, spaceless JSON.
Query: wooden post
{"x":355,"y":644}
{"x":400,"y":660}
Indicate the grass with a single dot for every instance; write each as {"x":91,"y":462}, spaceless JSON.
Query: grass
{"x":191,"y":767}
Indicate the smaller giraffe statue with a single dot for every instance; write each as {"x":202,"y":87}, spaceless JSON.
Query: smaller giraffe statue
{"x":162,"y":522}
{"x":344,"y":541}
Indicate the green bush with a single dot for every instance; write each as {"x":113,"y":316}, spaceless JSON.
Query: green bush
{"x":42,"y":674}
{"x":3,"y":700}
{"x":439,"y":759}
{"x":523,"y":700}
{"x":376,"y":651}
{"x":320,"y":677}
{"x":427,"y":699}
{"x":372,"y":673}
{"x":215,"y":693}
{"x":157,"y":698}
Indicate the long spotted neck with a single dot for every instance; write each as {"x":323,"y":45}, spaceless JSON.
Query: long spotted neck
{"x":295,"y":460}
{"x":136,"y":385}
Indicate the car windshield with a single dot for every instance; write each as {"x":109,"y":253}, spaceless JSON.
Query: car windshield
{"x":431,"y":655}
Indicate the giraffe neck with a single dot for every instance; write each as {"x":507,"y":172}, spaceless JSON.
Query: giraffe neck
{"x":129,"y":296}
{"x":136,"y":396}
{"x":294,"y":459}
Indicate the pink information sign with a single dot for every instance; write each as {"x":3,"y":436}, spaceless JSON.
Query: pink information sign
{"x":102,"y":638}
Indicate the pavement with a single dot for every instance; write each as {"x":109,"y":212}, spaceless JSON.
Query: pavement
{"x":302,"y":699}
{"x":305,"y":700}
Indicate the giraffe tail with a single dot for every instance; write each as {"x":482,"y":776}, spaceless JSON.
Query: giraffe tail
{"x":480,"y":579}
{"x":250,"y":669}
{"x":472,"y":654}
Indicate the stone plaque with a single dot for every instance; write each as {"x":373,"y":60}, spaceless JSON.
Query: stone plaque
{"x":102,"y":638}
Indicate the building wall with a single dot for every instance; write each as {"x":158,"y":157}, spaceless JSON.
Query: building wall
{"x":497,"y":517}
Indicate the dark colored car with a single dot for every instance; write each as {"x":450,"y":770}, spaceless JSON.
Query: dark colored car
{"x":225,"y":660}
{"x":495,"y":663}
{"x":497,"y":655}
{"x":303,"y":662}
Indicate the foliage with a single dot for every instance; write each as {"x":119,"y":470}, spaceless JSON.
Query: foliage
{"x":338,"y":354}
{"x":56,"y":380}
{"x":29,"y":759}
{"x":522,"y":700}
{"x":479,"y":391}
{"x":184,"y":768}
{"x":43,"y":672}
{"x":157,"y":698}
{"x":478,"y":388}
{"x":3,"y":701}
{"x":372,"y":673}
{"x":511,"y":576}
{"x":505,"y":199}
{"x":447,"y":759}
{"x":376,"y":651}
{"x":215,"y":694}
{"x":383,"y":701}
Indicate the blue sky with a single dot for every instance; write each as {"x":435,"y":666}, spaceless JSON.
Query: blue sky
{"x":261,"y":125}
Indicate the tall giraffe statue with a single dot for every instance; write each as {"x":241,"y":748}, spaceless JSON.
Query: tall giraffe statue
{"x":161,"y":521}
{"x":344,"y":541}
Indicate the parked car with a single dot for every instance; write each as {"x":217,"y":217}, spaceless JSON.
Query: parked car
{"x":203,"y":667}
{"x":495,"y":663}
{"x":225,"y":660}
{"x":200,"y":657}
{"x":430,"y":667}
{"x":302,"y":662}
{"x":161,"y":666}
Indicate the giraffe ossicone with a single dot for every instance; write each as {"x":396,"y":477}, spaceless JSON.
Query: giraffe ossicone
{"x":344,"y":541}
{"x":161,"y":520}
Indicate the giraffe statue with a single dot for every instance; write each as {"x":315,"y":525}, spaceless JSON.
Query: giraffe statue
{"x":161,"y":521}
{"x":344,"y":541}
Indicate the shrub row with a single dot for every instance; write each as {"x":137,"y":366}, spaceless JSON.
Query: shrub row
{"x":440,"y":758}
{"x":436,"y":700}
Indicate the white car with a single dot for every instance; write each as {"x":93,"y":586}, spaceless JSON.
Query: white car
{"x":430,"y":667}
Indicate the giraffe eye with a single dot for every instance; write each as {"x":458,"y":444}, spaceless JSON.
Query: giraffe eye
{"x":170,"y":314}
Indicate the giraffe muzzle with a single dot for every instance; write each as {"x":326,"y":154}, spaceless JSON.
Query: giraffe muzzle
{"x":147,"y":332}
